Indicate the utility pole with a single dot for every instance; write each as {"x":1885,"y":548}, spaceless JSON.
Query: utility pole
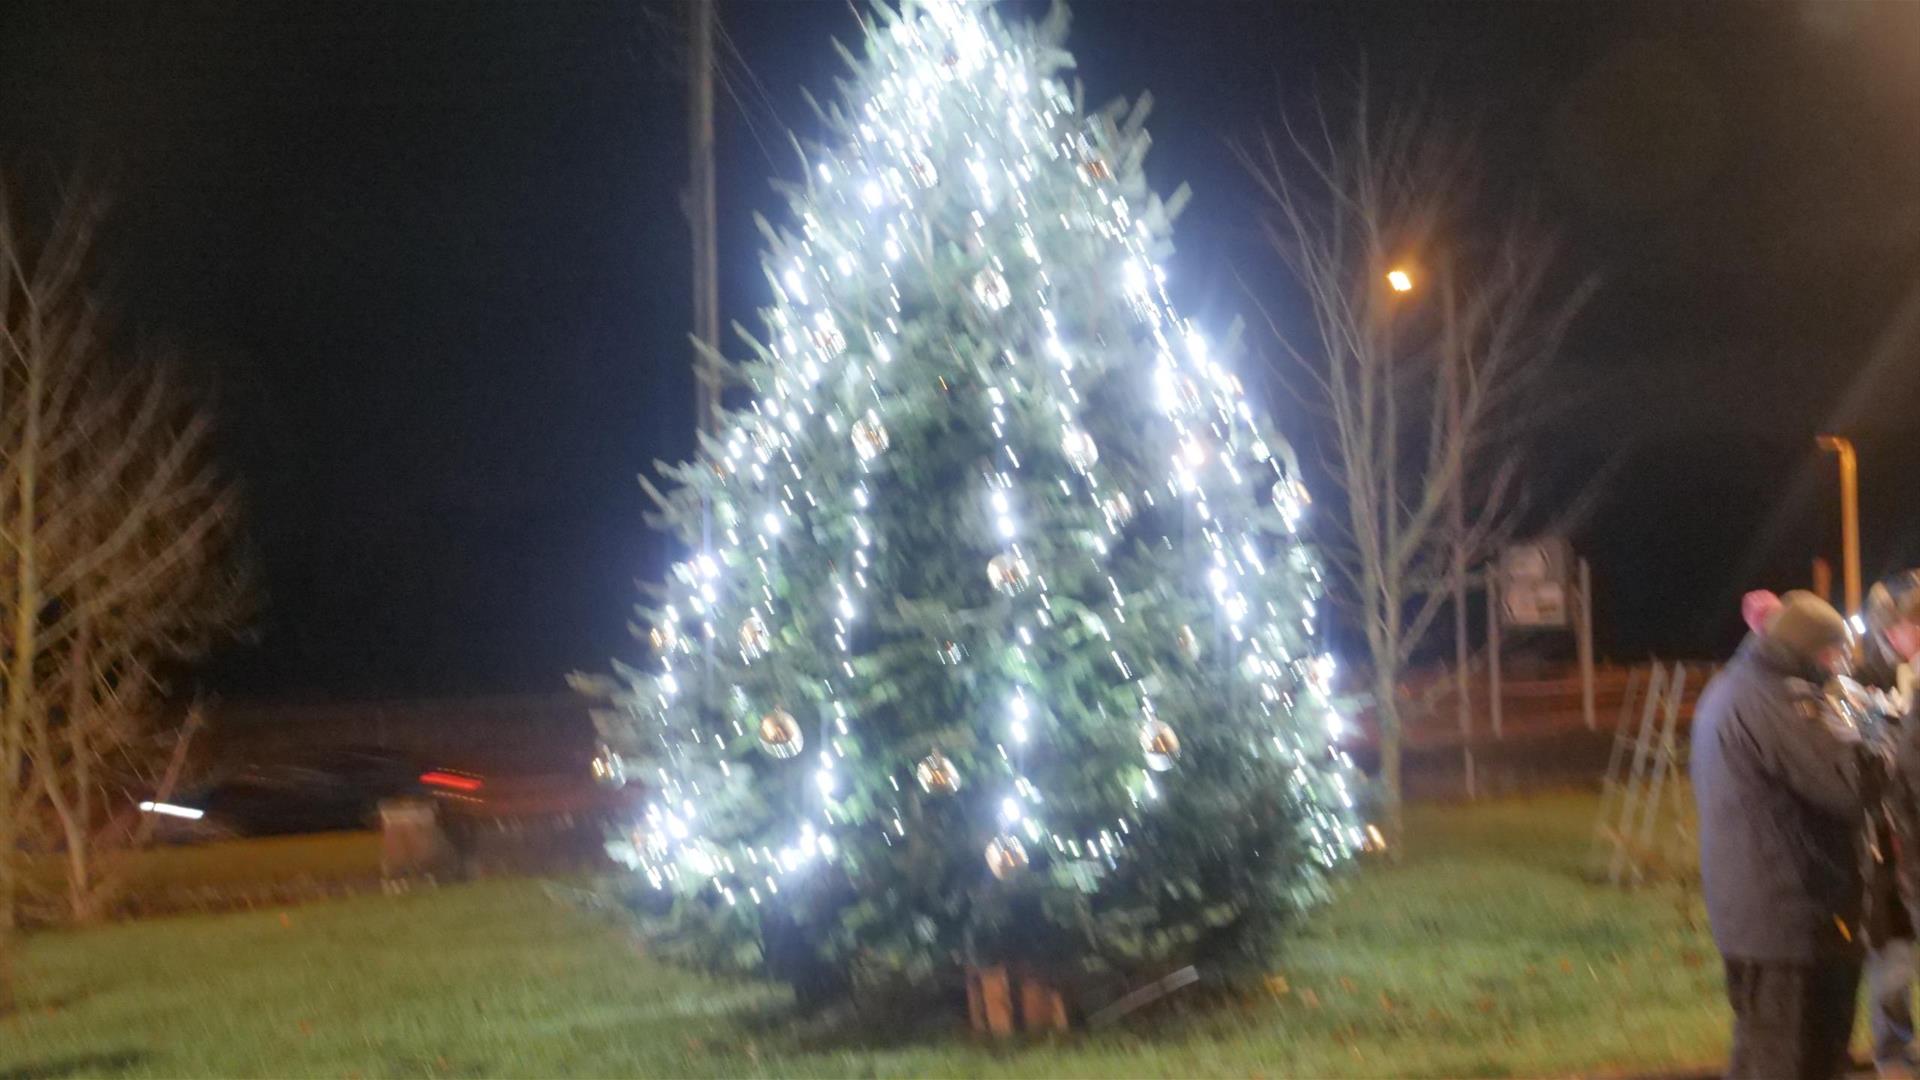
{"x":1495,"y":692}
{"x":1583,"y":644}
{"x":702,"y":212}
{"x":1457,"y":541}
{"x":1849,"y":516}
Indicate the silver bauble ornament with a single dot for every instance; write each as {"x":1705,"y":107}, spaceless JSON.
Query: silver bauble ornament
{"x":1179,"y":394}
{"x":1009,"y":573}
{"x":1191,"y":396}
{"x":951,"y":652}
{"x":1118,"y":509}
{"x":1189,"y":643}
{"x":1194,"y":451}
{"x":869,"y":437}
{"x":829,"y":340}
{"x":991,"y":289}
{"x":920,"y":167}
{"x":1006,"y":856}
{"x":937,"y":775}
{"x":1079,"y":448}
{"x":780,"y":734}
{"x":1160,"y":744}
{"x":754,"y":637}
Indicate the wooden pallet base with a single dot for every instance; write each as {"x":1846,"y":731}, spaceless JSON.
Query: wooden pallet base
{"x":1001,"y":1001}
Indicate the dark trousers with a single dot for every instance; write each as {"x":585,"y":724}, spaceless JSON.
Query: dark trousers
{"x":1791,"y":1020}
{"x":1889,"y":975}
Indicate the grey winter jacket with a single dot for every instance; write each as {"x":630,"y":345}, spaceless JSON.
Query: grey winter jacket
{"x":1778,"y":777}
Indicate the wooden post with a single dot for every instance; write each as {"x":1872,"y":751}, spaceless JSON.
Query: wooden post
{"x":990,"y":1000}
{"x":1665,"y":757}
{"x":411,"y":842}
{"x":1643,"y":745}
{"x":1626,"y":701}
{"x":1611,"y":788}
{"x":1822,"y":578}
{"x":1584,"y":643}
{"x":1042,"y":1008}
{"x":1493,"y":650}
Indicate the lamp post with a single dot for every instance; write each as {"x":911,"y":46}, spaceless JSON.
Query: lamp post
{"x":1400,"y":280}
{"x":1849,"y":515}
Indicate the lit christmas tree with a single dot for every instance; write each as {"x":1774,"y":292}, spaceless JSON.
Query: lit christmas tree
{"x":995,"y":641}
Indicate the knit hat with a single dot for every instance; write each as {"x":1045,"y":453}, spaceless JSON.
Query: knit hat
{"x":1894,"y":599}
{"x":1806,"y":625}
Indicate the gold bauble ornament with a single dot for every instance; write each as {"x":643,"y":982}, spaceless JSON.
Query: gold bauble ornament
{"x":1097,"y":170}
{"x":1079,"y":448}
{"x":1160,"y":743}
{"x":937,"y":775}
{"x":1289,"y":492}
{"x":609,"y":769}
{"x":1006,"y":856}
{"x":1009,"y":573}
{"x":1189,"y":643}
{"x":664,"y":636}
{"x":869,"y":437}
{"x":754,"y":637}
{"x":991,"y":289}
{"x":780,"y":734}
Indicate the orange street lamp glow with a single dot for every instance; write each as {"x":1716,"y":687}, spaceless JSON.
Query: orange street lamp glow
{"x":1400,"y":280}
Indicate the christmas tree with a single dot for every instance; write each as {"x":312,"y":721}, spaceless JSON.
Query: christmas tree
{"x":995,"y":639}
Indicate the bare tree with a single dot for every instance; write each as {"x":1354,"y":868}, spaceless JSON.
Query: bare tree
{"x":119,"y":558}
{"x":1432,"y":314}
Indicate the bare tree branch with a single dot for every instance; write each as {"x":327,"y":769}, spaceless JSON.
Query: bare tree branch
{"x":1420,"y":396}
{"x":121,"y":555}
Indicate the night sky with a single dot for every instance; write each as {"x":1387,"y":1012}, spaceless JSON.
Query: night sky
{"x":428,"y":260}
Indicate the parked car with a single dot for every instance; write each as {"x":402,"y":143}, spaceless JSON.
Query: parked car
{"x":317,"y":791}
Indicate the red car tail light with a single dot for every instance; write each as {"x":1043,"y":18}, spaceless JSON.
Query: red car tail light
{"x":450,"y":781}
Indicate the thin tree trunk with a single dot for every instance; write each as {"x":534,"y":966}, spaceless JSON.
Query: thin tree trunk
{"x":1386,"y":710}
{"x":14,"y":798}
{"x":75,"y":806}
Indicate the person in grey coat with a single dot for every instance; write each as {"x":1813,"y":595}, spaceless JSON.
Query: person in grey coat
{"x":1883,"y":701}
{"x":1781,"y":780}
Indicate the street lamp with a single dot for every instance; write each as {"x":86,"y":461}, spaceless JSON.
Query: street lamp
{"x":1849,"y":514}
{"x":1399,"y":281}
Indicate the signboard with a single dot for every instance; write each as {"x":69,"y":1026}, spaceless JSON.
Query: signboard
{"x":1536,"y":585}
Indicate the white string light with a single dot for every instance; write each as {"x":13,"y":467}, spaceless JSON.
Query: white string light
{"x":961,"y":120}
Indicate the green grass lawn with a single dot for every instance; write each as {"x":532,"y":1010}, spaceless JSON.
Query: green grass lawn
{"x":1485,"y":953}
